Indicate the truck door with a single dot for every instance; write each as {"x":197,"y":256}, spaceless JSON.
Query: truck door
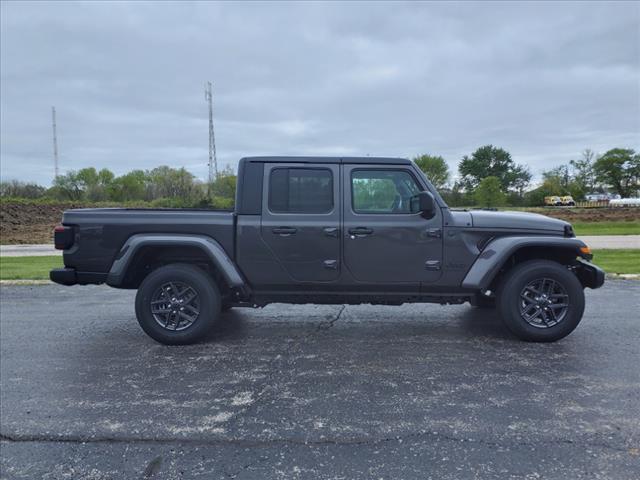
{"x":383,"y":241}
{"x":301,"y":219}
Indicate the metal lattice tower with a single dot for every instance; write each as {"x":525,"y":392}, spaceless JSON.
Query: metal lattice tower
{"x":55,"y":143}
{"x":213,"y":161}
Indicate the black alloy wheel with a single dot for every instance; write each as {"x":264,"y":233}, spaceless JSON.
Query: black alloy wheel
{"x":178,"y":304}
{"x":540,"y":300}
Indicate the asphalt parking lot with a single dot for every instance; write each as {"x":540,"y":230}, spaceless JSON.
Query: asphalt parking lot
{"x":418,"y":391}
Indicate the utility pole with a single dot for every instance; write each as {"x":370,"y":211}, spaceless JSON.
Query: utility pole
{"x":55,"y":143}
{"x":213,"y":161}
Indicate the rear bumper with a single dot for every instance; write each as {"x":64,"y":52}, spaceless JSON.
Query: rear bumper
{"x":589,"y":274}
{"x":69,"y":276}
{"x":63,"y":276}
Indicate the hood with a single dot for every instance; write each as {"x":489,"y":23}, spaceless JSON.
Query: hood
{"x":517,"y":221}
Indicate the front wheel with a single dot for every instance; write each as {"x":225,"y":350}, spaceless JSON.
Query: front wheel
{"x":541,"y":301}
{"x":177,"y":304}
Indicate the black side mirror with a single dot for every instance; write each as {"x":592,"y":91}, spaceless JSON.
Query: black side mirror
{"x":423,"y":203}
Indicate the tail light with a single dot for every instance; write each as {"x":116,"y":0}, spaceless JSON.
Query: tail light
{"x":63,"y":237}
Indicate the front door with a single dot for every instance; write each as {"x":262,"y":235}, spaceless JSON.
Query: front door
{"x":301,"y":219}
{"x":383,"y":241}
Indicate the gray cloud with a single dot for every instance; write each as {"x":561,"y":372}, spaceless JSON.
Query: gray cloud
{"x":543,"y":80}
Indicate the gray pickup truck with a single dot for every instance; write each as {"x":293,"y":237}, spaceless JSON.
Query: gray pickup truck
{"x":332,"y":231}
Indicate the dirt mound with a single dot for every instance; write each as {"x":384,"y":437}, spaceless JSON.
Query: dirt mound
{"x":592,"y":214}
{"x":30,"y":222}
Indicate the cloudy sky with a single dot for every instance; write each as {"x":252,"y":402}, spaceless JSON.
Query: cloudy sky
{"x":544,"y":81}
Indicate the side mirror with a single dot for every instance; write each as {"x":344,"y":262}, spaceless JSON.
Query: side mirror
{"x":423,"y":203}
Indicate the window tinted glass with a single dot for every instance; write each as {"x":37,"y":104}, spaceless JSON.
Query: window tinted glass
{"x":301,"y":190}
{"x":382,"y":191}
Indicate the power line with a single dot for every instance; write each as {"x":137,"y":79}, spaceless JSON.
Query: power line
{"x":213,"y":161}
{"x":55,"y":143}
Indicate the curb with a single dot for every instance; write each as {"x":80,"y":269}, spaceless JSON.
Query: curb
{"x":623,"y":276}
{"x":26,"y":282}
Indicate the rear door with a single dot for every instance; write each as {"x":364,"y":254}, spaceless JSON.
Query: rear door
{"x":383,"y":241}
{"x":301,"y":219}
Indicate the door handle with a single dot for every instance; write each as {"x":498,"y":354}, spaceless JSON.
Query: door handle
{"x":331,"y":232}
{"x":330,"y":264}
{"x":284,"y":231}
{"x":360,"y":232}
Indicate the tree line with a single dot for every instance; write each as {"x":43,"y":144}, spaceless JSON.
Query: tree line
{"x":159,"y":187}
{"x":488,"y":177}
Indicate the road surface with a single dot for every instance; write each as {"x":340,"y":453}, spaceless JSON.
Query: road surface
{"x":612,"y":241}
{"x":28,"y":250}
{"x":356,"y":392}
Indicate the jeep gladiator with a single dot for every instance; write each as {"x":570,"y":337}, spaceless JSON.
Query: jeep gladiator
{"x":332,"y":231}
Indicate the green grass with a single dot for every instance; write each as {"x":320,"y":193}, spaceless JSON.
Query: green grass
{"x":37,"y":268}
{"x":28,"y":268}
{"x":618,"y":261}
{"x":607,"y":228}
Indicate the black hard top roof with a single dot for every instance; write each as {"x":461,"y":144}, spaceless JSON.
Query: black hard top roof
{"x":381,"y":160}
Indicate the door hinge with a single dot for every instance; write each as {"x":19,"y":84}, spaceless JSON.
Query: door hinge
{"x":434,"y":232}
{"x":331,"y":264}
{"x":432,"y":264}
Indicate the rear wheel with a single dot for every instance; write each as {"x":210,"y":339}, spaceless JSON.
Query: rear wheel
{"x":541,"y":301}
{"x":177,"y":304}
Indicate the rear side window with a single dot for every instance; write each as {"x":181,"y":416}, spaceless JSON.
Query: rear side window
{"x":301,"y":190}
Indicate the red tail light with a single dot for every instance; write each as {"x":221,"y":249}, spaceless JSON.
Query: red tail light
{"x":63,"y":237}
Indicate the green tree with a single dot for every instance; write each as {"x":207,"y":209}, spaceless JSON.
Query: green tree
{"x":224,"y":185}
{"x":131,"y":186}
{"x":583,"y":171}
{"x":88,"y":177}
{"x":105,"y":177}
{"x":18,"y":189}
{"x":435,"y":168}
{"x":559,"y":175}
{"x":68,"y":186}
{"x":551,"y":186}
{"x":620,"y":169}
{"x":490,"y":161}
{"x":489,"y":192}
{"x":167,"y":182}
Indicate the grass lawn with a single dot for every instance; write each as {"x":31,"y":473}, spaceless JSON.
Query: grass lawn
{"x":618,"y":261}
{"x":37,"y":268}
{"x":28,"y":268}
{"x":606,"y":228}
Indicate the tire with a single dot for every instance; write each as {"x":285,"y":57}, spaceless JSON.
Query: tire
{"x":187,"y":321}
{"x":226,"y":307}
{"x":539,"y":289}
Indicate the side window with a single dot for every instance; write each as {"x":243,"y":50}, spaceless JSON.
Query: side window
{"x":382,"y":191}
{"x":301,"y":190}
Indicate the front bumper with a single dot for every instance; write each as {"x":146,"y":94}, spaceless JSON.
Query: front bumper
{"x":589,"y":274}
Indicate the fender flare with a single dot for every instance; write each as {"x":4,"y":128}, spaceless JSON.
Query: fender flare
{"x":206,"y":244}
{"x":498,"y":251}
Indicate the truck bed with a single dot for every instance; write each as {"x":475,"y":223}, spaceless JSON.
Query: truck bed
{"x":101,"y":232}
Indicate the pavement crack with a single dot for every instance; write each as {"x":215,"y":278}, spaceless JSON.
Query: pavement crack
{"x":152,"y":468}
{"x":331,"y":323}
{"x":290,"y":350}
{"x":306,"y":442}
